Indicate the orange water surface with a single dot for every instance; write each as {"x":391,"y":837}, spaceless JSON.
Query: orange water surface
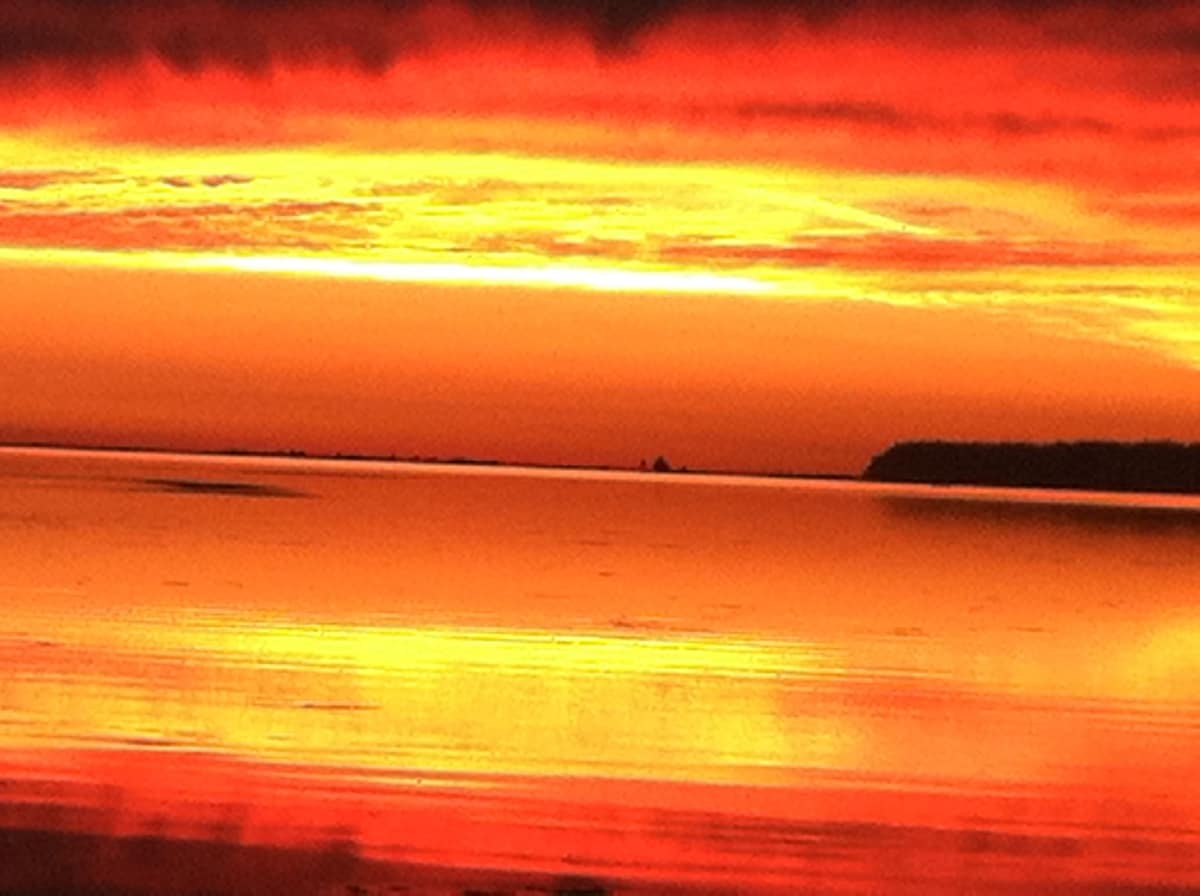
{"x":477,"y":677}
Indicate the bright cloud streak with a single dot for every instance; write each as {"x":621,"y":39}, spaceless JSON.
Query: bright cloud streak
{"x":597,"y":279}
{"x":1050,"y":256}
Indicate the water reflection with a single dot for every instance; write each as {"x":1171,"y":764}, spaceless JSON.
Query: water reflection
{"x":236,"y":489}
{"x":500,"y":700}
{"x":1059,"y":511}
{"x":454,"y":681}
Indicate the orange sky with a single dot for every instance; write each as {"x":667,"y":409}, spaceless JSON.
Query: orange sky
{"x":768,"y":235}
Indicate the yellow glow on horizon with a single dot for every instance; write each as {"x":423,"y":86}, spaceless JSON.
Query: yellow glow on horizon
{"x":553,"y":276}
{"x":594,"y":278}
{"x":1041,"y":254}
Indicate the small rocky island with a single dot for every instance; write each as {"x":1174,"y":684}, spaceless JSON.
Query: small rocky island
{"x":1100,"y":466}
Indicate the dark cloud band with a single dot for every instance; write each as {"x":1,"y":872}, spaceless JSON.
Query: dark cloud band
{"x":251,"y":36}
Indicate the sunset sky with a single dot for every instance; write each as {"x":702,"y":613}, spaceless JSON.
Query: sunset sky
{"x":760,"y":235}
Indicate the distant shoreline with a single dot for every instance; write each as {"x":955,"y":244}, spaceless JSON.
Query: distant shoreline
{"x":430,"y":460}
{"x":1151,"y":467}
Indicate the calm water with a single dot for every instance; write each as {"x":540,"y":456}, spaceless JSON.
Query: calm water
{"x":636,"y":681}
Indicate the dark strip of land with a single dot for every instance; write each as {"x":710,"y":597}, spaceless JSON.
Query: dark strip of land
{"x":297,"y":454}
{"x":1171,"y":467}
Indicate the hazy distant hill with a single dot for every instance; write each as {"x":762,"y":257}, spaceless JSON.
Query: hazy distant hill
{"x":1104,"y":466}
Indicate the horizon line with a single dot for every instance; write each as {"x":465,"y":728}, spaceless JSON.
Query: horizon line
{"x":420,"y":459}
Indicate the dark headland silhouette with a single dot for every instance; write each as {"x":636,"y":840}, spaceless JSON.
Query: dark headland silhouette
{"x":1149,"y":466}
{"x":1094,"y":465}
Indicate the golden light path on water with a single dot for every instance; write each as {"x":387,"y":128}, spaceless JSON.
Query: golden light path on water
{"x":450,"y":699}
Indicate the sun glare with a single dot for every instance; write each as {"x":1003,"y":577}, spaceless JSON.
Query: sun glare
{"x":552,"y":277}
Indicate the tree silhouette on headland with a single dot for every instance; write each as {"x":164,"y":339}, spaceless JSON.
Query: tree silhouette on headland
{"x":1102,"y":466}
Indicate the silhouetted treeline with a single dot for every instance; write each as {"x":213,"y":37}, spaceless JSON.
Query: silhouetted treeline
{"x":1103,"y":466}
